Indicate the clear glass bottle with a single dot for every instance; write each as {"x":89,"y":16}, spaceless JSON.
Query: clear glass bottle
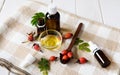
{"x":53,"y":18}
{"x":99,"y":55}
{"x":41,"y":26}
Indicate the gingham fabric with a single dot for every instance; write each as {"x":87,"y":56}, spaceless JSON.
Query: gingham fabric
{"x":15,"y":29}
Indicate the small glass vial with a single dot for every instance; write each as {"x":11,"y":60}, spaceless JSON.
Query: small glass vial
{"x":53,"y":18}
{"x":29,"y":59}
{"x":41,"y":26}
{"x":99,"y":55}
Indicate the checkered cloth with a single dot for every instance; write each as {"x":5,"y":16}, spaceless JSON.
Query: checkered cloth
{"x":14,"y":30}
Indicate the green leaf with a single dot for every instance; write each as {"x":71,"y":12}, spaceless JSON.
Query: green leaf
{"x":78,"y":41}
{"x":44,"y":66}
{"x":45,"y":72}
{"x":85,"y":44}
{"x":34,"y":22}
{"x":40,"y":14}
{"x":87,"y":49}
{"x":81,"y":47}
{"x":36,"y":17}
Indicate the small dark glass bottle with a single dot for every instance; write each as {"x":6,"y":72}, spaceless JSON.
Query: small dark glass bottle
{"x":41,"y":26}
{"x":53,"y":18}
{"x":101,"y":58}
{"x":99,"y":55}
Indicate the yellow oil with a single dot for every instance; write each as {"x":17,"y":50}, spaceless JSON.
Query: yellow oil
{"x":51,"y":42}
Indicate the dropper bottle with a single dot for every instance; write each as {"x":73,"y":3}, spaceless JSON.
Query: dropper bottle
{"x":99,"y":55}
{"x":41,"y":26}
{"x":53,"y":18}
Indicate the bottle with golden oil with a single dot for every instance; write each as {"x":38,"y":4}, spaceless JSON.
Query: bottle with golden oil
{"x":53,"y":18}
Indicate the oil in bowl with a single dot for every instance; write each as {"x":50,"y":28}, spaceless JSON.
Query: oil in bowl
{"x":50,"y":39}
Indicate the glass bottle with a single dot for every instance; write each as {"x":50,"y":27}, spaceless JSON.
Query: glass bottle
{"x":53,"y":18}
{"x":99,"y":55}
{"x":41,"y":26}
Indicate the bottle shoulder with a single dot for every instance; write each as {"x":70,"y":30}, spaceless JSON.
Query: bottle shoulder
{"x":53,"y":15}
{"x":98,"y":51}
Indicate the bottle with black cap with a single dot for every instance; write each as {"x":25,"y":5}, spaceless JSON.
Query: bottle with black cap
{"x":41,"y":26}
{"x":99,"y":55}
{"x":53,"y":18}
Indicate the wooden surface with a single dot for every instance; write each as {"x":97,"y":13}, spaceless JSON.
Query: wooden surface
{"x":104,"y":11}
{"x":107,"y":13}
{"x":105,"y":37}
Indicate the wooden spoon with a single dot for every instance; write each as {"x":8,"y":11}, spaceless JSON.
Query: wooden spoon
{"x":71,"y":44}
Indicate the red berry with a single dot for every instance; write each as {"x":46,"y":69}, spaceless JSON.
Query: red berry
{"x":30,"y":37}
{"x":68,"y":35}
{"x":52,"y":58}
{"x":82,"y":60}
{"x":64,"y":52}
{"x":36,"y":47}
{"x":69,"y":54}
{"x":65,"y":57}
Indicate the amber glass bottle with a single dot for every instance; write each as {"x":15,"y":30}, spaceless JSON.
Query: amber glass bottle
{"x":41,"y":26}
{"x":53,"y":18}
{"x":99,"y":55}
{"x":101,"y":58}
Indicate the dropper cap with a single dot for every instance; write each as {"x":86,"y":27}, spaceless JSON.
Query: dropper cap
{"x":93,"y":47}
{"x":52,"y":9}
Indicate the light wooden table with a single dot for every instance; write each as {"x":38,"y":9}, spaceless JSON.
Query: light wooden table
{"x":107,"y":12}
{"x":104,"y":11}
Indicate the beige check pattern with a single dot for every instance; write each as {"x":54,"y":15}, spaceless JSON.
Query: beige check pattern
{"x":14,"y":30}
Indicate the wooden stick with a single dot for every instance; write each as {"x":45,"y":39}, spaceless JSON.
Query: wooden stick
{"x":75,"y":36}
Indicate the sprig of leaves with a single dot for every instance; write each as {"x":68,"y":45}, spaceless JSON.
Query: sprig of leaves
{"x":78,"y":41}
{"x":82,"y":45}
{"x":36,"y":17}
{"x":44,"y":66}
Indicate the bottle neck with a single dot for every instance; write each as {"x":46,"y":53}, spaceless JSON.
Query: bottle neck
{"x":52,"y":9}
{"x":52,"y":13}
{"x":93,"y":47}
{"x":41,"y":26}
{"x":96,"y":49}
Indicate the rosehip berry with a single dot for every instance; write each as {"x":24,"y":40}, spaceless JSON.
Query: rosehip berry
{"x":69,"y":54}
{"x":30,"y":37}
{"x":65,"y":57}
{"x":67,"y":35}
{"x":36,"y":47}
{"x":64,"y":52}
{"x":82,"y":60}
{"x":52,"y":58}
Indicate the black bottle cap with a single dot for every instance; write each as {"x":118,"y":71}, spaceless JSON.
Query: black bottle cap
{"x":41,"y":21}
